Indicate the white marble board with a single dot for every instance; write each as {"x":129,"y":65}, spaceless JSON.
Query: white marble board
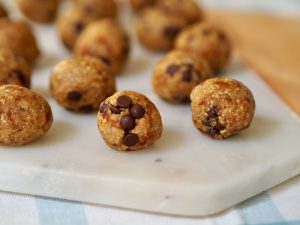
{"x":184,"y":173}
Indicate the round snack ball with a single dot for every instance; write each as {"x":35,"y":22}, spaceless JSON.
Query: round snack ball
{"x":3,"y":12}
{"x":70,"y":24}
{"x":176,"y":75}
{"x":13,"y":69}
{"x":157,"y":30}
{"x":137,"y":5}
{"x":40,"y":11}
{"x":129,"y":121}
{"x":18,"y":36}
{"x":81,"y":84}
{"x":187,"y":10}
{"x":25,"y":115}
{"x":97,"y":9}
{"x":106,"y":40}
{"x":222,"y":107}
{"x":207,"y":41}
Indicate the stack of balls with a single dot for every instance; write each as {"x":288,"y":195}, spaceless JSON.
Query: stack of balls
{"x":196,"y":53}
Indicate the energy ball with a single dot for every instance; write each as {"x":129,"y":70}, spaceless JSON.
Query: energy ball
{"x":3,"y":12}
{"x":176,"y":75}
{"x":70,"y":24}
{"x":25,"y":115}
{"x":208,"y":42}
{"x":18,"y":36}
{"x":137,"y":5}
{"x":14,"y":69}
{"x":106,"y":40}
{"x":40,"y":11}
{"x":80,"y":84}
{"x":129,"y":121}
{"x":187,"y":10}
{"x":157,"y":30}
{"x":222,"y":107}
{"x":97,"y":9}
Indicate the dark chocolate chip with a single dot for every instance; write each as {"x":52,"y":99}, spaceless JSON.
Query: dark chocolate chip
{"x":222,"y":36}
{"x":86,"y":108}
{"x":172,"y":69}
{"x":103,"y":107}
{"x":219,"y":127}
{"x":114,"y":109}
{"x":127,"y":122}
{"x":124,"y":101}
{"x":137,"y":111}
{"x":170,"y":32}
{"x":131,"y":140}
{"x":213,"y":131}
{"x":213,"y":112}
{"x":188,"y":72}
{"x":74,"y":96}
{"x":78,"y":26}
{"x":106,"y":60}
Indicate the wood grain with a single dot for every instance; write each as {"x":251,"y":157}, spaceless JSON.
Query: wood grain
{"x":270,"y":45}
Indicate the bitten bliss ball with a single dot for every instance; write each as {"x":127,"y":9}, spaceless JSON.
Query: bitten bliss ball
{"x":176,"y":75}
{"x":81,"y":83}
{"x":221,"y":107}
{"x":206,"y":41}
{"x":129,"y":121}
{"x":25,"y":116}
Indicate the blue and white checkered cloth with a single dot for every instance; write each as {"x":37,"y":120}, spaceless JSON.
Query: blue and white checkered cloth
{"x":278,"y":206}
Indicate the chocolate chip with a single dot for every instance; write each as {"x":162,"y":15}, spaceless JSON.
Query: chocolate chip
{"x":114,"y":109}
{"x":104,"y":59}
{"x":127,"y":122}
{"x":188,"y":72}
{"x":78,"y":26}
{"x":213,"y":131}
{"x":213,"y":112}
{"x":131,"y":140}
{"x":124,"y":101}
{"x":74,"y":96}
{"x":172,"y":69}
{"x":86,"y":108}
{"x":222,"y":36}
{"x":219,"y":127}
{"x":103,"y":107}
{"x":170,"y":32}
{"x":137,"y":111}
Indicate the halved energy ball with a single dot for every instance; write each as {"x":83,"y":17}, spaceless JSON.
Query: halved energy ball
{"x":129,"y":121}
{"x":222,"y":107}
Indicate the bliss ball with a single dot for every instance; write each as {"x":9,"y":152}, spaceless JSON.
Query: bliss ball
{"x":106,"y":40}
{"x":25,"y":116}
{"x":80,"y":84}
{"x":129,"y":121}
{"x":222,"y":107}
{"x":176,"y":75}
{"x":156,"y":29}
{"x":207,"y":41}
{"x":40,"y":11}
{"x":19,"y":37}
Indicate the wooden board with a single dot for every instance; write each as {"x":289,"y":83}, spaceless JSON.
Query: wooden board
{"x":270,"y":45}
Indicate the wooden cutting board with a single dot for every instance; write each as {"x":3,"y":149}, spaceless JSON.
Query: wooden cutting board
{"x":270,"y":45}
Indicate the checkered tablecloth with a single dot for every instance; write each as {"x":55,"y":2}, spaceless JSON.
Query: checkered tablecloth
{"x":279,"y":206}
